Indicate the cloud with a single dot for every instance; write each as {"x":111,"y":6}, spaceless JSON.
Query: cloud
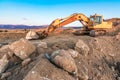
{"x":24,"y":19}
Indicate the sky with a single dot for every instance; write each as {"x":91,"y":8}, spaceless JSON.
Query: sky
{"x":42,"y":12}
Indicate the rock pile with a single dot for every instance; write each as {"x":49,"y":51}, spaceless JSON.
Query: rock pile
{"x":21,"y":48}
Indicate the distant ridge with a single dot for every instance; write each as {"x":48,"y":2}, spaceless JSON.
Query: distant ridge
{"x":29,"y":27}
{"x":2,"y":26}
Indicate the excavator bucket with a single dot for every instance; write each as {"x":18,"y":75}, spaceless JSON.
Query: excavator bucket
{"x":43,"y":35}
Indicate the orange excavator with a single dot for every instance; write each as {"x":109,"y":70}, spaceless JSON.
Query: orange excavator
{"x":92,"y":25}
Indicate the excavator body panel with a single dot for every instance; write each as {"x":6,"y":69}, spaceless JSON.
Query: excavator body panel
{"x":103,"y":25}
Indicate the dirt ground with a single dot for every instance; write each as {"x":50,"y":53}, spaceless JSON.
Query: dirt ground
{"x":102,"y":62}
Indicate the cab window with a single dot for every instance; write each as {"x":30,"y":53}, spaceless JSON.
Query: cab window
{"x":92,"y":19}
{"x":98,"y":19}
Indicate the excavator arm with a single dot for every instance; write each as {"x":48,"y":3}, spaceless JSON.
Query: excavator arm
{"x":61,"y":22}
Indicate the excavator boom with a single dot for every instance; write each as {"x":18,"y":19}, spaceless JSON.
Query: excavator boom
{"x":61,"y":22}
{"x":57,"y":23}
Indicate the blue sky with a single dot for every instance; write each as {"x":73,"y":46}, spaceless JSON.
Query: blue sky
{"x":40,"y":12}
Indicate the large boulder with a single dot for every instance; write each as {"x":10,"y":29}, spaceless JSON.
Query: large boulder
{"x":3,"y":63}
{"x":64,"y":60}
{"x":22,"y":48}
{"x":82,"y":48}
{"x":32,"y":35}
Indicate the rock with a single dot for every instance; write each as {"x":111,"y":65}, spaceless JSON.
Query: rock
{"x":6,"y":50}
{"x":118,"y":78}
{"x":22,"y":48}
{"x":5,"y":75}
{"x":43,"y":48}
{"x":3,"y":63}
{"x":1,"y":45}
{"x":32,"y":35}
{"x":84,"y":77}
{"x":73,"y":53}
{"x":26,"y":61}
{"x":35,"y":76}
{"x":64,"y":60}
{"x":13,"y":61}
{"x":82,"y":48}
{"x":118,"y":36}
{"x":42,"y":45}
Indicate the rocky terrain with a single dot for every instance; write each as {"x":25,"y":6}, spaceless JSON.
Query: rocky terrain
{"x":60,"y":56}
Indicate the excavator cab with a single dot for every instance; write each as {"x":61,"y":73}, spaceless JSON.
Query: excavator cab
{"x":96,"y":19}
